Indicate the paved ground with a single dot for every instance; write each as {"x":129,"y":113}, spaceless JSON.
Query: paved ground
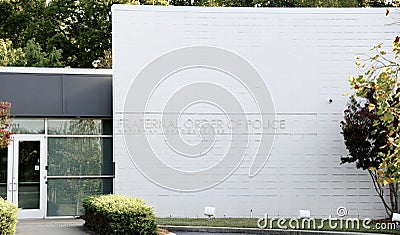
{"x":196,"y":233}
{"x":71,"y":227}
{"x":52,"y":227}
{"x":67,"y":227}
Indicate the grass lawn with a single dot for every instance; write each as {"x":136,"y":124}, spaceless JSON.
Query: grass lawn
{"x":312,"y":224}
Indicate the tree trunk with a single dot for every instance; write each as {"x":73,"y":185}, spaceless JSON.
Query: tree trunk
{"x":381,"y":193}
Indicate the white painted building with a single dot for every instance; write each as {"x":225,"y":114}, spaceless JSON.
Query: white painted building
{"x":263,"y":87}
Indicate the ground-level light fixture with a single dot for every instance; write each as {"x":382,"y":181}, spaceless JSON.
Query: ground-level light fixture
{"x":209,"y":211}
{"x":304,"y":213}
{"x":396,"y":217}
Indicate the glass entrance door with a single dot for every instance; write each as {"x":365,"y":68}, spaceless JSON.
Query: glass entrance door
{"x":26,"y":175}
{"x":3,"y":172}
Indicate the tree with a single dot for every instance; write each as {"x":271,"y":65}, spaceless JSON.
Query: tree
{"x":281,"y":3}
{"x":10,"y":56}
{"x":5,"y":134}
{"x":104,"y":62}
{"x":377,"y":91}
{"x":81,"y":29}
{"x":364,"y":145}
{"x":31,"y":55}
{"x":35,"y":57}
{"x":23,"y":20}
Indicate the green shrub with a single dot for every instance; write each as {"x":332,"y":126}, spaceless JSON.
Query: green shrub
{"x":8,"y":217}
{"x":115,"y":214}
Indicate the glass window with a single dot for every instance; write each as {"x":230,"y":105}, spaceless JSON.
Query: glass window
{"x":79,"y":127}
{"x":72,"y":156}
{"x":3,"y":172}
{"x":107,"y":126}
{"x":29,"y":175}
{"x":65,"y":196}
{"x":27,"y":126}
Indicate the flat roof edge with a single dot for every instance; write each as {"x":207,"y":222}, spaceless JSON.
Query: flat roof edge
{"x":55,"y":70}
{"x":267,"y":10}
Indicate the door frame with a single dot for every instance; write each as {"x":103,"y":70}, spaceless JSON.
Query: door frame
{"x":13,"y":166}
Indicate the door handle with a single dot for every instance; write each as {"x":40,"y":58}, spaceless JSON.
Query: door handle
{"x":15,"y":187}
{"x":10,"y":187}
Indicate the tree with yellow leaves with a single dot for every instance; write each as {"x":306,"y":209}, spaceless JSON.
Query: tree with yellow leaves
{"x":377,"y":100}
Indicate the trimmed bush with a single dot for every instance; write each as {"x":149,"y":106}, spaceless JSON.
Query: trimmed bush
{"x":116,"y":214}
{"x":8,"y":217}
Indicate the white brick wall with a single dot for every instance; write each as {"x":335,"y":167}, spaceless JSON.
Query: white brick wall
{"x":305,"y":57}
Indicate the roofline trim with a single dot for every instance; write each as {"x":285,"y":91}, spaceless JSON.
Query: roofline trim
{"x":34,"y":70}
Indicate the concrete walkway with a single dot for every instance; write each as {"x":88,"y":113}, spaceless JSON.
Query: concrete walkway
{"x":72,"y":227}
{"x":202,"y":233}
{"x":52,"y":227}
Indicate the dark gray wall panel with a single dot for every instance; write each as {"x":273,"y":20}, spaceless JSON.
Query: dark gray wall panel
{"x":32,"y":94}
{"x":88,"y":92}
{"x":67,"y":95}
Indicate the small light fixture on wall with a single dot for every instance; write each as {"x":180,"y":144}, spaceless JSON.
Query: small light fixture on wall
{"x":304,"y":214}
{"x":209,"y":211}
{"x":396,"y":217}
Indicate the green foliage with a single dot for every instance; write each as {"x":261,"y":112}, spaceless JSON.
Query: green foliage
{"x":83,"y":28}
{"x":115,"y":214}
{"x":23,"y":20}
{"x":380,"y":84}
{"x":35,"y":57}
{"x":104,"y":62}
{"x":379,"y":87}
{"x":156,"y":2}
{"x":31,"y":55}
{"x":281,"y":3}
{"x":342,"y":3}
{"x":320,"y":224}
{"x":10,"y":56}
{"x":364,"y":145}
{"x":76,"y":33}
{"x":8,"y":217}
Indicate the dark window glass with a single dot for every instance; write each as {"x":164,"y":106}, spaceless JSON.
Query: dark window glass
{"x":79,"y":127}
{"x":29,"y":175}
{"x":65,"y":196}
{"x":72,"y":156}
{"x":27,"y":126}
{"x":3,"y":172}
